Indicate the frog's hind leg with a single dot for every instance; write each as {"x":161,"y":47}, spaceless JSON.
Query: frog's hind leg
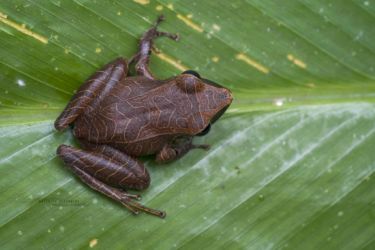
{"x":107,"y":167}
{"x":96,"y":86}
{"x":146,"y":45}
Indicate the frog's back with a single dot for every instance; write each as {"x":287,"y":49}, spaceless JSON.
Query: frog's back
{"x":116,"y":112}
{"x":134,"y":115}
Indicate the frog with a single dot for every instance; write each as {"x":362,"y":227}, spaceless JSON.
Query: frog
{"x":116,"y":118}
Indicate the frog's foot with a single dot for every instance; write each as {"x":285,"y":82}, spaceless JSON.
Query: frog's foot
{"x":108,"y":167}
{"x":157,"y":33}
{"x":127,"y":200}
{"x":136,"y":207}
{"x":141,"y":58}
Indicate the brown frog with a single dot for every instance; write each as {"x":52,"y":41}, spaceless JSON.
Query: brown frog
{"x":118,"y":118}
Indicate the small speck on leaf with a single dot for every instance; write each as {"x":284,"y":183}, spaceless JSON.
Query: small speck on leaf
{"x":93,"y":243}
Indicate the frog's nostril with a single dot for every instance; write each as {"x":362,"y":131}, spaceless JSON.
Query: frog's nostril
{"x":225,"y":95}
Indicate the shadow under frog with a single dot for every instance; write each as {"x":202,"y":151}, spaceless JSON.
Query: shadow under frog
{"x":118,"y":118}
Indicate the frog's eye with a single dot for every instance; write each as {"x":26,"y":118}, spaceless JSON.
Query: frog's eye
{"x":205,"y":131}
{"x":192,"y":72}
{"x":189,"y":83}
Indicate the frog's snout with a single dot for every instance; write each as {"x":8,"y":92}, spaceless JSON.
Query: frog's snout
{"x":226,"y":95}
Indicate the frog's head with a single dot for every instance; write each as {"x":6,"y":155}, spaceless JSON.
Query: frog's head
{"x":210,"y":100}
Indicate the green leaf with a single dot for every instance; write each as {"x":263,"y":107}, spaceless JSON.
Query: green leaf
{"x":291,"y":164}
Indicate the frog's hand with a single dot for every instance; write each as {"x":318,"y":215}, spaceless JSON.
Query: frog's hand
{"x":102,"y":170}
{"x":142,"y":57}
{"x":94,"y":88}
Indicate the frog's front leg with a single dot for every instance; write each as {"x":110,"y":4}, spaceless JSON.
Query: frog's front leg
{"x":146,"y":45}
{"x":177,"y":149}
{"x":105,"y":168}
{"x":90,"y":92}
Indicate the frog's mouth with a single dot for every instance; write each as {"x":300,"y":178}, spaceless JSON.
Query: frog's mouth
{"x":204,"y":131}
{"x":222,"y":111}
{"x":219,"y":114}
{"x":214,"y":119}
{"x":226,"y":94}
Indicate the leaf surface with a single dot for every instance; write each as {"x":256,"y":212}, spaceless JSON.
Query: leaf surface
{"x":291,"y":163}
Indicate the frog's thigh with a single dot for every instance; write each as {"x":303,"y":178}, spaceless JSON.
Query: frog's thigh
{"x":98,"y":83}
{"x":109,"y":166}
{"x":96,"y":169}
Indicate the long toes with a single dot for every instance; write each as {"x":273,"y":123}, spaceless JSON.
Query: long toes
{"x":202,"y":146}
{"x":139,"y":207}
{"x":128,"y":205}
{"x":132,"y":196}
{"x":176,"y":37}
{"x":136,"y":207}
{"x":160,"y":19}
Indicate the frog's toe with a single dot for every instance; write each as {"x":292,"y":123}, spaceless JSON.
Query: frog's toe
{"x":136,"y":208}
{"x":202,"y":146}
{"x":131,"y":196}
{"x":139,"y":207}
